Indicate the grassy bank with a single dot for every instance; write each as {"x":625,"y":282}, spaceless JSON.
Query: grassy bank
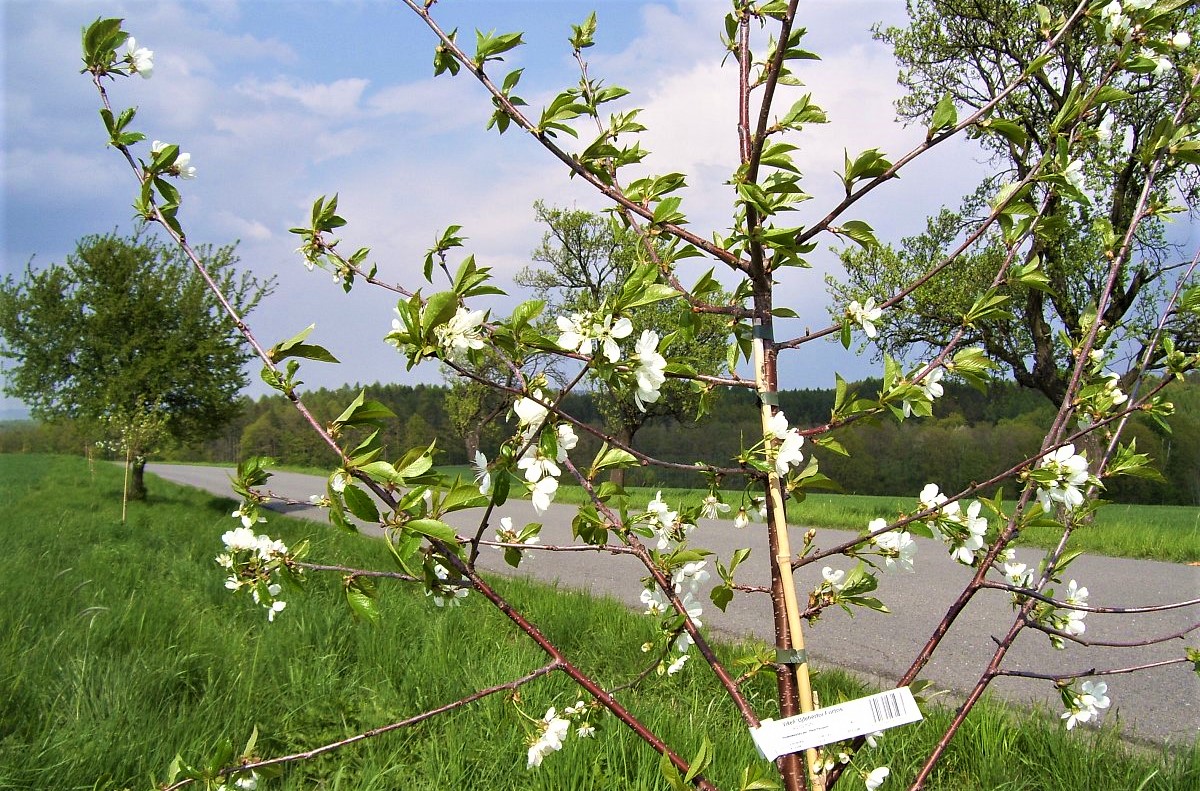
{"x":1168,"y":533}
{"x":120,"y":647}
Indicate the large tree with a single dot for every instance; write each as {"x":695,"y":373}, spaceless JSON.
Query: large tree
{"x":126,"y":338}
{"x":968,"y":51}
{"x":580,"y":265}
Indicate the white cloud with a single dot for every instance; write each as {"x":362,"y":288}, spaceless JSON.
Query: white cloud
{"x":338,"y":99}
{"x":242,"y":227}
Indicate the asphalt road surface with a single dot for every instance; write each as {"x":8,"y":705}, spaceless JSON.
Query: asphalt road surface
{"x":1160,"y":705}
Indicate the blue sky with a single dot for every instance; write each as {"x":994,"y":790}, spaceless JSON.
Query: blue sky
{"x":280,"y":101}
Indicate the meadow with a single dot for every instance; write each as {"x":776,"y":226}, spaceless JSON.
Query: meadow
{"x":1151,"y":532}
{"x":120,"y":648}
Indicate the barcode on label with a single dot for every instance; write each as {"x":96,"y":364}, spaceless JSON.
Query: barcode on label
{"x":888,"y":706}
{"x":834,"y":723}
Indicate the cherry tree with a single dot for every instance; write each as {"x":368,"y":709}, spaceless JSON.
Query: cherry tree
{"x":765,"y":245}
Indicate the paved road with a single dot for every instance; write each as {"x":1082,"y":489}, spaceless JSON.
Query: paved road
{"x":1159,"y":705}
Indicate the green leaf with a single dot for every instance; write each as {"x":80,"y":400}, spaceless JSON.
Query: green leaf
{"x":362,"y":412}
{"x":489,"y":46}
{"x":610,"y":458}
{"x":435,"y":529}
{"x":360,"y":503}
{"x":439,"y":309}
{"x":362,"y":605}
{"x":945,"y":115}
{"x":700,"y":761}
{"x":653,"y":292}
{"x":1009,"y":130}
{"x":860,"y":232}
{"x":295,"y":347}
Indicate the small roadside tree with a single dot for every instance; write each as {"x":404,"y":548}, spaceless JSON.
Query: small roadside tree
{"x":127,"y":338}
{"x":587,"y":260}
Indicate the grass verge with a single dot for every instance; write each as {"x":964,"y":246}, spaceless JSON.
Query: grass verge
{"x":120,"y":647}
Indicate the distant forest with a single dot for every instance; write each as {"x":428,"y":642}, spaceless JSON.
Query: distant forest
{"x":970,"y":437}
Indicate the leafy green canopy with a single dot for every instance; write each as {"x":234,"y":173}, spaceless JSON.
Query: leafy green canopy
{"x":127,"y":328}
{"x":964,"y":53}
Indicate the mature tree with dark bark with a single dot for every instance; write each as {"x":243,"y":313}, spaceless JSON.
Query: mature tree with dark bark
{"x":968,"y":52}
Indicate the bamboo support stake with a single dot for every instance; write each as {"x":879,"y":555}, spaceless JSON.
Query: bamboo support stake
{"x":777,"y":516}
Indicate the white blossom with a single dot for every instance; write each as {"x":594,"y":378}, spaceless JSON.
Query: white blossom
{"x":444,"y":595}
{"x":656,"y":603}
{"x":537,"y":466}
{"x":742,"y":518}
{"x":530,"y":413}
{"x":713,"y":507}
{"x":834,"y":577}
{"x":931,"y":383}
{"x":585,"y":730}
{"x":576,"y":334}
{"x":543,"y":493}
{"x":899,"y":546}
{"x":677,"y":665}
{"x":553,"y":729}
{"x":607,"y":333}
{"x":650,"y":373}
{"x":963,"y":548}
{"x":1074,"y":174}
{"x":1086,"y":704}
{"x":1181,"y":40}
{"x":141,"y":60}
{"x":788,"y":454}
{"x":460,"y":333}
{"x":866,"y":315}
{"x":690,"y":576}
{"x":242,"y":539}
{"x":875,"y":777}
{"x":567,"y":439}
{"x":1018,"y":574}
{"x":482,"y":476}
{"x":1071,"y":473}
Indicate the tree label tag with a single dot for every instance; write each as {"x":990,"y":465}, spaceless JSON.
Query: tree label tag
{"x":843,"y":721}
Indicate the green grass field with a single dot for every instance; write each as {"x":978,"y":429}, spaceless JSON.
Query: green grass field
{"x":1152,"y":532}
{"x":120,"y":647}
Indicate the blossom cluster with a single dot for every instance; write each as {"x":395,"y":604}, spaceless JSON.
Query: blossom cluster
{"x":1065,"y":620}
{"x":1059,"y":476}
{"x":580,"y":331}
{"x":541,"y":470}
{"x":252,"y":562}
{"x":460,"y":334}
{"x":445,"y":592}
{"x":787,"y":453}
{"x":553,"y":729}
{"x":928,"y":387}
{"x":671,"y":531}
{"x":963,"y":532}
{"x":140,"y":59}
{"x":1085,"y":705}
{"x":895,"y":546}
{"x":182,"y":167}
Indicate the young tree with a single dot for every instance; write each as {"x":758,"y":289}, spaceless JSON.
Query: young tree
{"x":410,"y":503}
{"x":968,"y":53}
{"x":127,"y":337}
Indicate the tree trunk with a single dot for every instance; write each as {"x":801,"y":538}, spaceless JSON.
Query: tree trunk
{"x":137,"y":481}
{"x":471,"y":438}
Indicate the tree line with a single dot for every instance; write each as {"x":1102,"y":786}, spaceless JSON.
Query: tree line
{"x":968,"y":438}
